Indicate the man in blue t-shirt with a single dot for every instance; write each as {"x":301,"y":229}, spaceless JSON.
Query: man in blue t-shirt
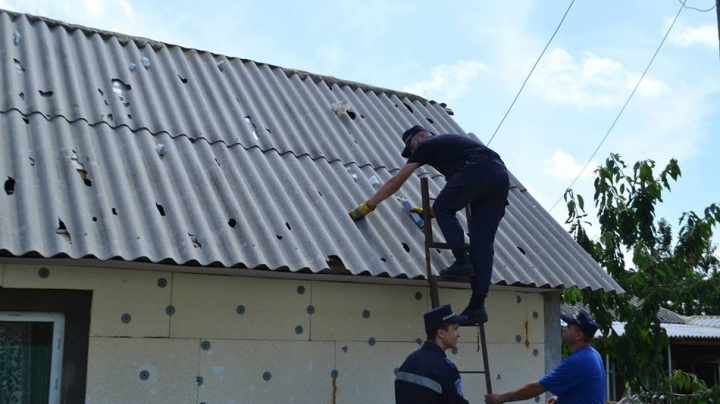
{"x":578,"y":379}
{"x":476,"y":176}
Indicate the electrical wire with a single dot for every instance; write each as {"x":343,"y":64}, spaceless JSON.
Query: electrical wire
{"x":697,"y":9}
{"x":623,"y":107}
{"x":531,"y":72}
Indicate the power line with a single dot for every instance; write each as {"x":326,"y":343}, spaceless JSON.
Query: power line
{"x":531,"y":71}
{"x":697,"y":9}
{"x":623,"y":107}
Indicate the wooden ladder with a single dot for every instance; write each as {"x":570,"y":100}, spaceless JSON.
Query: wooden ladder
{"x":433,"y":281}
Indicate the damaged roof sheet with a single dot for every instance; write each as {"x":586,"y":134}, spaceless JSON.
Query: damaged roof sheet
{"x":122,"y":148}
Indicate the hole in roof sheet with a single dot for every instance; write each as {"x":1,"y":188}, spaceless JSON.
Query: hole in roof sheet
{"x":218,"y":163}
{"x":130,"y":116}
{"x":80,"y":168}
{"x":335,"y":264}
{"x":429,"y":120}
{"x":352,"y":115}
{"x":362,"y":116}
{"x":521,"y":250}
{"x":110,"y":117}
{"x":194,"y":240}
{"x":10,"y":186}
{"x":106,"y":103}
{"x":121,"y":89}
{"x":232,"y":223}
{"x":288,"y":225}
{"x":183,"y":79}
{"x":114,"y":211}
{"x":320,"y":194}
{"x":101,"y":92}
{"x":63,"y":232}
{"x":94,"y":219}
{"x":406,"y":247}
{"x":383,"y":259}
{"x":22,"y":96}
{"x":409,"y":108}
{"x":268,"y":130}
{"x":18,"y":66}
{"x":32,"y":161}
{"x":248,"y":119}
{"x":26,"y":120}
{"x":160,"y":209}
{"x":45,"y":94}
{"x":279,"y":237}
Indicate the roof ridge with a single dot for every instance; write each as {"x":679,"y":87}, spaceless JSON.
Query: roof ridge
{"x":142,"y":42}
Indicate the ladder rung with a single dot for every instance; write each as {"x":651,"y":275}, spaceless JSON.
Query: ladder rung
{"x":442,"y":246}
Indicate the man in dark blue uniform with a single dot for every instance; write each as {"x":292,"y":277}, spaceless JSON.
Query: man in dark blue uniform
{"x":474,"y":175}
{"x":427,"y":376}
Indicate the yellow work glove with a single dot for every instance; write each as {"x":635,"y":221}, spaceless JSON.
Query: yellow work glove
{"x":419,"y":211}
{"x":360,"y":212}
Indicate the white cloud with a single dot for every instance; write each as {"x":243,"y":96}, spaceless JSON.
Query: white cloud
{"x":448,"y":82}
{"x":686,"y":35}
{"x":592,"y":81}
{"x":564,"y":166}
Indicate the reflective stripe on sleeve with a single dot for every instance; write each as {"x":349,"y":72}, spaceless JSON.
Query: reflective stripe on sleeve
{"x":420,"y":381}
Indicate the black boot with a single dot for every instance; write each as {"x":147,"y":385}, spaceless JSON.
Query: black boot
{"x":462,"y":267}
{"x":476,"y":310}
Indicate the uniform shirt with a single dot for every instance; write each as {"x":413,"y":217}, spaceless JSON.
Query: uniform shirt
{"x":428,"y":377}
{"x":447,"y":152}
{"x":578,"y":379}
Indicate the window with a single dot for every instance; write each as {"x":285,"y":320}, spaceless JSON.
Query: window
{"x":75,"y":308}
{"x":31,"y":348}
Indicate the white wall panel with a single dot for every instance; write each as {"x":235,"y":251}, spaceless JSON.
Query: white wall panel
{"x":263,"y":372}
{"x":209,"y":306}
{"x":392,"y":313}
{"x":126,"y":303}
{"x":117,"y":366}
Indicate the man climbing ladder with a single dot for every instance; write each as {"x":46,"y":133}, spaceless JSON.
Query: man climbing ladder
{"x":476,"y":176}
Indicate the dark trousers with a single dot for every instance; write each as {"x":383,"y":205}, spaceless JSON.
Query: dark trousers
{"x":483,"y":184}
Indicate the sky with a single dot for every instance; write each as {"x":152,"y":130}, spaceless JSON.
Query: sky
{"x":474,"y":56}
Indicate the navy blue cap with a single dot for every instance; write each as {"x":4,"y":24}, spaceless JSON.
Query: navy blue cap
{"x":442,"y":315}
{"x":583,"y":321}
{"x":407,"y":135}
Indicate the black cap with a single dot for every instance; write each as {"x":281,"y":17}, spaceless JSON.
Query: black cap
{"x":442,"y":315}
{"x":583,"y":321}
{"x":407,"y":135}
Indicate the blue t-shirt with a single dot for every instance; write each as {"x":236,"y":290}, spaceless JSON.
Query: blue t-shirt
{"x":578,"y":379}
{"x":447,"y":152}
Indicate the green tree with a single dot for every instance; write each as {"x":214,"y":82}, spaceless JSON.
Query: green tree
{"x":642,"y":254}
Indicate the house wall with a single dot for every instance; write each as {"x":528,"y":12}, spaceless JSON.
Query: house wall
{"x":230,"y":339}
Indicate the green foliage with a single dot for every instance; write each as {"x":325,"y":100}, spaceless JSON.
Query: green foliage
{"x":684,"y":388}
{"x":665,"y":270}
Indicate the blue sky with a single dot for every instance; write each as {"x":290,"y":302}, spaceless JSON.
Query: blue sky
{"x":474,"y":57}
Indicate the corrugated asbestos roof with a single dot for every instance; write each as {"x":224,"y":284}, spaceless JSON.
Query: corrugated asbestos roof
{"x":680,"y":331}
{"x":706,"y":321}
{"x":258,"y":170}
{"x":664,"y":315}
